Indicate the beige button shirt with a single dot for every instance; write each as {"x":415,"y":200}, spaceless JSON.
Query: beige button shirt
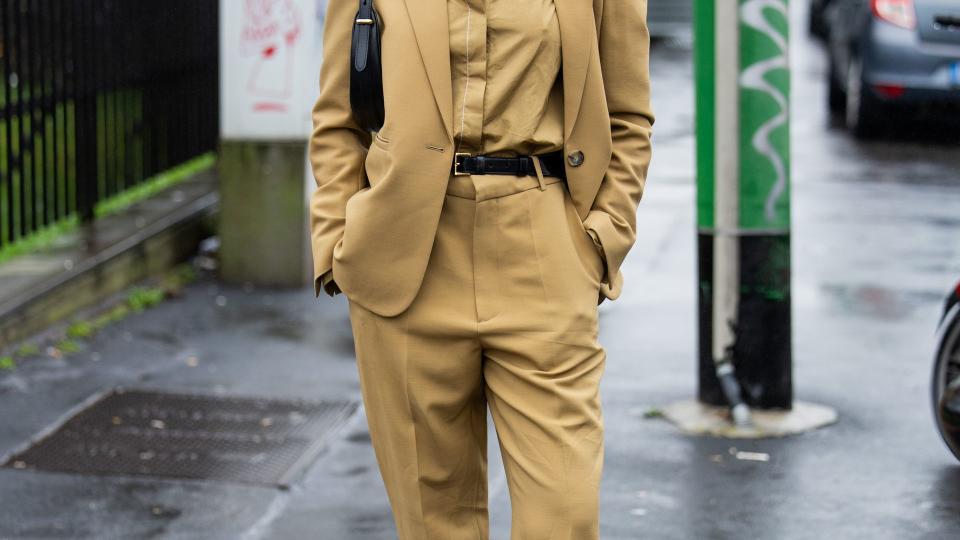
{"x":507,"y":86}
{"x":505,"y":68}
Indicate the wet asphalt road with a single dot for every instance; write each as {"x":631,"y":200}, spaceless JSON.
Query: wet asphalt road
{"x":876,"y":247}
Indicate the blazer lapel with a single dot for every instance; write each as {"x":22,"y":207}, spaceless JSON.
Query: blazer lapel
{"x":429,"y":19}
{"x":576,"y":23}
{"x":430,"y":24}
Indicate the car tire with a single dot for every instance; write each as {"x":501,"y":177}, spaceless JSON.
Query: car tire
{"x":945,"y":369}
{"x":862,"y":114}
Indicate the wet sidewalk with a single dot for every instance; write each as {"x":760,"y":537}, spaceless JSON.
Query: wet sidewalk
{"x":863,"y":344}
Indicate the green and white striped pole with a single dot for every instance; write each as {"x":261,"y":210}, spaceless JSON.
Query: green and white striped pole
{"x":743,"y":201}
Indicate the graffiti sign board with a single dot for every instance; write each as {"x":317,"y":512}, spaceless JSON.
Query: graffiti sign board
{"x":269,"y":67}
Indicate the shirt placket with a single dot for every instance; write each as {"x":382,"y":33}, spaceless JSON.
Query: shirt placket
{"x":474,"y":71}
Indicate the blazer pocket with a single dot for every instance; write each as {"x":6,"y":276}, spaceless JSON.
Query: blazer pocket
{"x":348,"y":210}
{"x":379,"y":160}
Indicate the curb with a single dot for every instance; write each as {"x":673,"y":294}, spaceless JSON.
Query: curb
{"x":155,"y":247}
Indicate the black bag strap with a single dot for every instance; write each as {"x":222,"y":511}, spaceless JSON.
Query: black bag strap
{"x":363,"y":27}
{"x":366,"y":83}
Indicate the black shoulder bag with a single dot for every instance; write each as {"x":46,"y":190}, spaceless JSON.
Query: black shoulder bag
{"x":366,"y":82}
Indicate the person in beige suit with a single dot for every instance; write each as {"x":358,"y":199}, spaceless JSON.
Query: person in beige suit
{"x":474,"y":236}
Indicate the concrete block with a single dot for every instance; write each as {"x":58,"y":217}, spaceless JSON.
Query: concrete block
{"x":263,"y":220}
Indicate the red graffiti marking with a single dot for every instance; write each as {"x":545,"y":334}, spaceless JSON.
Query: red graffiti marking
{"x":270,"y":33}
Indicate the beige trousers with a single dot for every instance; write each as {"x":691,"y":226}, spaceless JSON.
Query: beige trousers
{"x":506,"y":317}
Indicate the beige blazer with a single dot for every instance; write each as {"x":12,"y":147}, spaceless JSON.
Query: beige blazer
{"x":375,"y":211}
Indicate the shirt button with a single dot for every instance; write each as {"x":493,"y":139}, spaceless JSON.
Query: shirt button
{"x":575,"y":158}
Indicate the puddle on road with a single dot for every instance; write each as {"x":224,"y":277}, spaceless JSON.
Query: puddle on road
{"x":878,"y":302}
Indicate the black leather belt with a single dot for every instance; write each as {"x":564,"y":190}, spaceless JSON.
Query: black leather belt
{"x":551,"y":164}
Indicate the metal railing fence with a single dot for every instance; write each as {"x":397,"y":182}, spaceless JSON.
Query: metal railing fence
{"x":97,"y":96}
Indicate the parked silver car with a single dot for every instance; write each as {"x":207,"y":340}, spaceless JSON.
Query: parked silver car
{"x":892,"y":54}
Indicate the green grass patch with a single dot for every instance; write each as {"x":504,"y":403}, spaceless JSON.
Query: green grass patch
{"x":118,"y":313}
{"x":115,"y":314}
{"x":143,"y":297}
{"x":155,"y":185}
{"x":653,"y":412}
{"x":28,"y":349}
{"x":177,"y":278}
{"x":7,"y":362}
{"x":39,"y":240}
{"x":80,"y":330}
{"x":68,"y":346}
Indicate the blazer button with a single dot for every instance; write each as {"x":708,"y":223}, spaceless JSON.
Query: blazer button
{"x":575,"y":158}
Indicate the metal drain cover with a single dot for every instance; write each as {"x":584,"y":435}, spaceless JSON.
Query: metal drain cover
{"x":135,"y":432}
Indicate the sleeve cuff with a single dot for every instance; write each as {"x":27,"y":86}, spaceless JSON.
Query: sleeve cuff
{"x":615,"y":247}
{"x":597,"y":244}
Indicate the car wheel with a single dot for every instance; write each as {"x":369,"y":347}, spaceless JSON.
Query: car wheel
{"x":862,"y":110}
{"x":836,"y":97}
{"x":945,"y":390}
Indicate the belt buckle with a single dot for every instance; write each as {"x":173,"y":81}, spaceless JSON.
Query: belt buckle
{"x":456,"y":169}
